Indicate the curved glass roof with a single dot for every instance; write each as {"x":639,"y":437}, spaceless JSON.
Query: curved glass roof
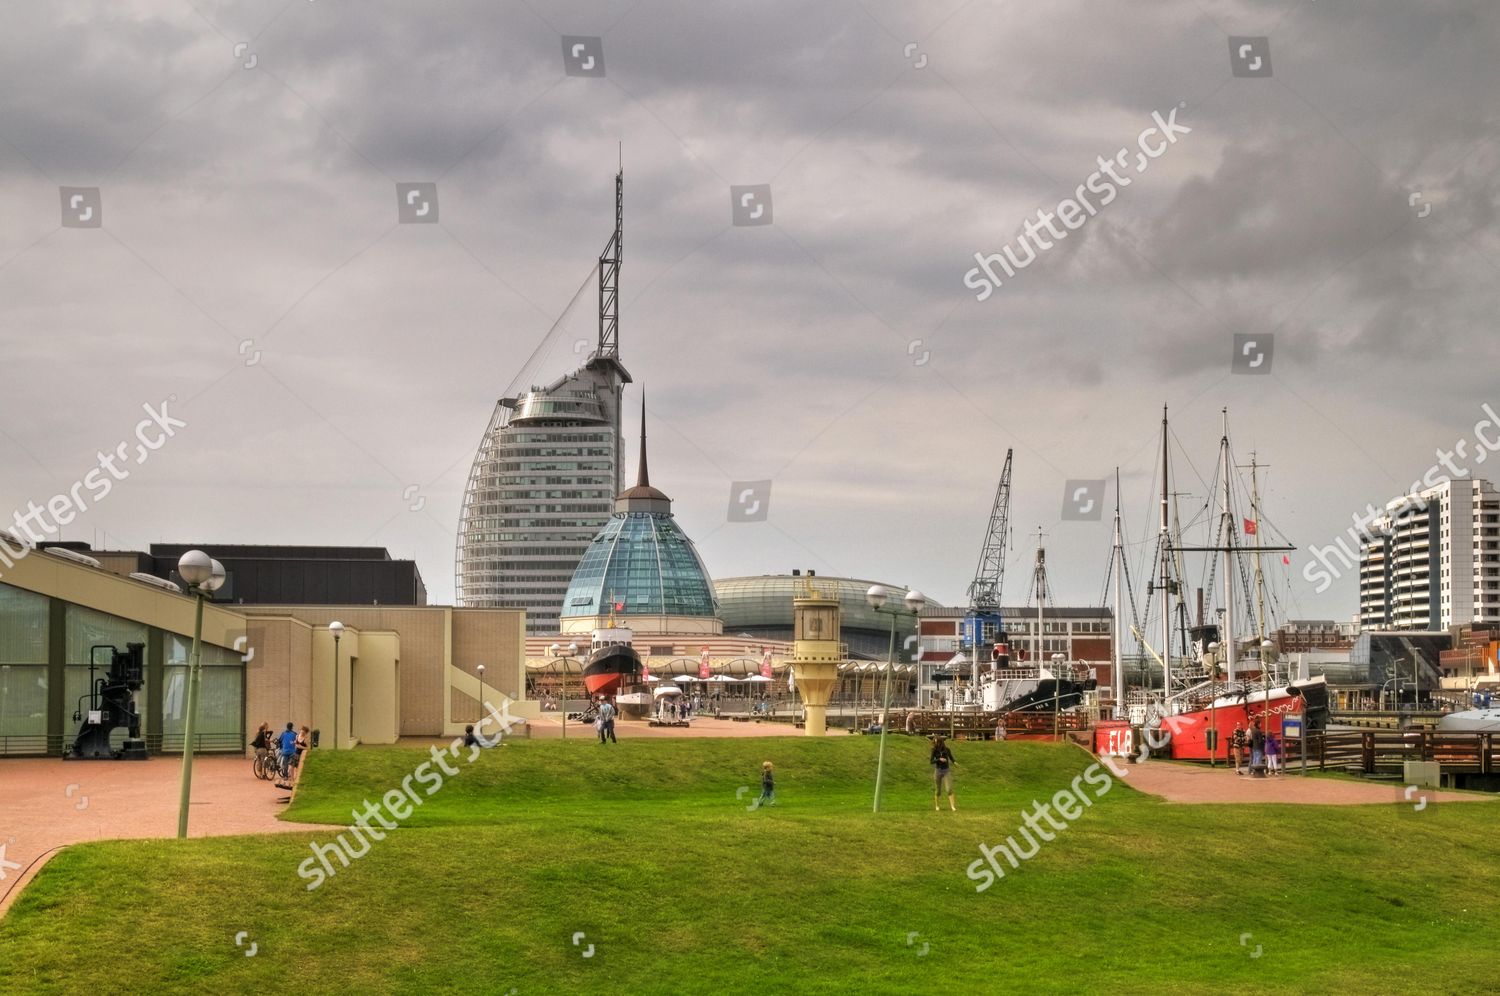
{"x":766,"y":600}
{"x":643,"y":562}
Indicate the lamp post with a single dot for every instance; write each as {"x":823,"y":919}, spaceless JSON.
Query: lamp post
{"x":337,"y":629}
{"x":556,"y":650}
{"x":1213,"y":705}
{"x":481,"y":694}
{"x":915,"y":600}
{"x":203,"y":576}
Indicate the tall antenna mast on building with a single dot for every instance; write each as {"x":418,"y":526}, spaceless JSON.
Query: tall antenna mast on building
{"x":609,"y":278}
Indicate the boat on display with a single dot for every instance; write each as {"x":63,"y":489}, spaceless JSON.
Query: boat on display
{"x":612,"y":662}
{"x":1032,"y":686}
{"x":1208,"y":691}
{"x":1471,"y":721}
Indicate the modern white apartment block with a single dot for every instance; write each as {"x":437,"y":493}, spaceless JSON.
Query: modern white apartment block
{"x":1433,"y":560}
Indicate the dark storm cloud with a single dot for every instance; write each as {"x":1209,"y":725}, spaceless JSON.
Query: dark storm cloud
{"x":837,"y":351}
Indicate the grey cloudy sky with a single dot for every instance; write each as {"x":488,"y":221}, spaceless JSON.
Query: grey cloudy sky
{"x":1344,"y":204}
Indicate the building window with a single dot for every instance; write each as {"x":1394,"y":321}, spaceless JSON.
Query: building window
{"x":23,"y":671}
{"x":221,"y":705}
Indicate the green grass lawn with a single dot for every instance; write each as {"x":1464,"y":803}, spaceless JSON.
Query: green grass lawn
{"x":648,"y":849}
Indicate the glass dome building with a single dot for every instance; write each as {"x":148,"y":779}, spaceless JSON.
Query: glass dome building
{"x":641,"y":564}
{"x":761,"y":606}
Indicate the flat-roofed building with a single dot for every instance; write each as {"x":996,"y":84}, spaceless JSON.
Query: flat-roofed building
{"x":399,"y":671}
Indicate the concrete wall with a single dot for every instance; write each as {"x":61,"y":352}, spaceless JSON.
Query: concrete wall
{"x":431,"y":639}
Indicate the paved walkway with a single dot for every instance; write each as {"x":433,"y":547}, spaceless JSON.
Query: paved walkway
{"x":1183,"y":782}
{"x":50,"y":803}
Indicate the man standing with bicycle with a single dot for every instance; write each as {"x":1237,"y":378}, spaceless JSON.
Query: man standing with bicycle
{"x":287,"y":743}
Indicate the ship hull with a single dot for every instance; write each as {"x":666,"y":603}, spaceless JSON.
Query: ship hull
{"x":609,"y":668}
{"x":1190,"y":730}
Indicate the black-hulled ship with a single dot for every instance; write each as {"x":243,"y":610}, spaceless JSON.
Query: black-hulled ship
{"x":612,"y":662}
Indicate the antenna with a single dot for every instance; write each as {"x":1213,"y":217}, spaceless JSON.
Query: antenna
{"x":609,"y":276}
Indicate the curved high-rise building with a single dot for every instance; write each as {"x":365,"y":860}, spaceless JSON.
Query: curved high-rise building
{"x":545,"y":475}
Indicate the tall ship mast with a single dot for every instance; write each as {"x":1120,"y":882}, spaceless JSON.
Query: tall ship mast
{"x":1202,"y":703}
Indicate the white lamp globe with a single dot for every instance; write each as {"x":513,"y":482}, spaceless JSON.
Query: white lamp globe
{"x":196,"y":567}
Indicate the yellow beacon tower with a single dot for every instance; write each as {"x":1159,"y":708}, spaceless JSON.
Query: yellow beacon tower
{"x":816,"y":653}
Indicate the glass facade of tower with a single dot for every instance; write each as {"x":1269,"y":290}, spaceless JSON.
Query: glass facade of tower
{"x":541,"y":487}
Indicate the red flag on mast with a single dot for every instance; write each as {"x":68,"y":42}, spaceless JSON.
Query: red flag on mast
{"x":1249,"y":527}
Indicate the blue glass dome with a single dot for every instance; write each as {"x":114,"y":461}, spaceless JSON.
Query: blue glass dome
{"x":641,"y":561}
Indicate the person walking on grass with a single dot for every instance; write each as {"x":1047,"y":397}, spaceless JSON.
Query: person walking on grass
{"x":942,"y":762}
{"x":767,"y":786}
{"x":607,"y":722}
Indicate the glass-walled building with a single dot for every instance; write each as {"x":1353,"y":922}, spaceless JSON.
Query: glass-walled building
{"x":762,"y":606}
{"x":396,"y":671}
{"x":47,"y":644}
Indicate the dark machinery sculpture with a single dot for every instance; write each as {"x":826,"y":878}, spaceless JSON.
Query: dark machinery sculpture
{"x":111,"y":704}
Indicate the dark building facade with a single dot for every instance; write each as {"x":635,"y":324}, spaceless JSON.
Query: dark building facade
{"x":282,"y":575}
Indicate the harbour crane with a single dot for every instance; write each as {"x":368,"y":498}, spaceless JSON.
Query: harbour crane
{"x":984,"y":591}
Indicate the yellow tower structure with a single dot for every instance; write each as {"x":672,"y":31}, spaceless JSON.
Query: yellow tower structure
{"x":816,"y":653}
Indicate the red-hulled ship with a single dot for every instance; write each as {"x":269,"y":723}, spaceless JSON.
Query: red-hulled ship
{"x":612,"y":661}
{"x":1248,"y":701}
{"x":1208,"y":693}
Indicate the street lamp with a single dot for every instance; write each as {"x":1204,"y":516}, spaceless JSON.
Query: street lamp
{"x":337,"y":629}
{"x":1213,"y":705}
{"x":915,"y":600}
{"x":556,"y":650}
{"x":203,"y":576}
{"x":481,"y":693}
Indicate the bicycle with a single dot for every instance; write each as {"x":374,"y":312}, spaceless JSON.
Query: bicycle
{"x":266,"y":764}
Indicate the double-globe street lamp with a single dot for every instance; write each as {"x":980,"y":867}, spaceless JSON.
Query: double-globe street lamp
{"x":556,"y":650}
{"x":203,"y":575}
{"x":915,"y":601}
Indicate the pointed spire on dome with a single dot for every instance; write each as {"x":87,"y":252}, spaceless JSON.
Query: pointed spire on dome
{"x":643,"y":497}
{"x":643,"y":477}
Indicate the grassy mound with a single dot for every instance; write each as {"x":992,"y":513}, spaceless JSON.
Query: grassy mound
{"x":649,"y":851}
